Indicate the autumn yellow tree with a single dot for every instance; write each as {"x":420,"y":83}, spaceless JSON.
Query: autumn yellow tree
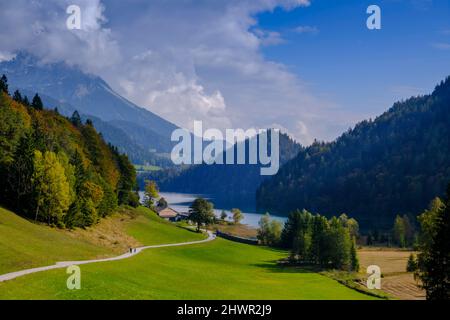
{"x":151,"y":193}
{"x":237,"y":215}
{"x":51,"y":187}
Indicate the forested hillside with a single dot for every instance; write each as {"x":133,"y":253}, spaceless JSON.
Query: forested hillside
{"x":233,"y":182}
{"x":395,"y":164}
{"x":58,"y":170}
{"x":135,"y":146}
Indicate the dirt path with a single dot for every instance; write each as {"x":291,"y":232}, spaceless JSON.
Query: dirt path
{"x":65,"y":264}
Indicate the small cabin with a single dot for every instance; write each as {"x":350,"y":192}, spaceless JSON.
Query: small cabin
{"x":168,"y":214}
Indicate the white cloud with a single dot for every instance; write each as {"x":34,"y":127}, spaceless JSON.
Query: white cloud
{"x":441,"y":45}
{"x":306,"y":29}
{"x":6,"y":56}
{"x":268,"y":38}
{"x":184,"y":60}
{"x":40,"y":27}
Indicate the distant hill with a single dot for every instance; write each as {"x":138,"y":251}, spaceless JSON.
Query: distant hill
{"x":392,"y":165}
{"x":237,"y":183}
{"x":139,"y":153}
{"x":69,"y":88}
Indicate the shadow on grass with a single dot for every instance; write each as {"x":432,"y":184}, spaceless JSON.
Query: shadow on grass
{"x":189,"y":229}
{"x":275,"y":267}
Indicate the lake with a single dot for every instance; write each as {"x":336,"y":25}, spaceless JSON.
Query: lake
{"x":181,"y":202}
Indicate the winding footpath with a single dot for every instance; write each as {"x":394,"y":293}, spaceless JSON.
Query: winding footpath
{"x":65,"y":264}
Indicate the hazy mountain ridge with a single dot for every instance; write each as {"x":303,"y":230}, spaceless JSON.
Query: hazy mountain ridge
{"x":69,"y":88}
{"x":232,"y":182}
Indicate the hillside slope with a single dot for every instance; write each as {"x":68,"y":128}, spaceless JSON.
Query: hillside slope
{"x":395,"y":164}
{"x":57,"y":170}
{"x":139,"y":153}
{"x":24,"y":244}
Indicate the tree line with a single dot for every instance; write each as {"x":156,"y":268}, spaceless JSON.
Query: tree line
{"x":58,"y":170}
{"x":314,"y":240}
{"x":403,"y":234}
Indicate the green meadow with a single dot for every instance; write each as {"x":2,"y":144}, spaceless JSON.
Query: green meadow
{"x":146,"y":168}
{"x":215,"y":270}
{"x":26,"y":245}
{"x":149,"y":229}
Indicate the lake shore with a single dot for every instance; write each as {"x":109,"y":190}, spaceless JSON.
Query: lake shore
{"x":181,"y":201}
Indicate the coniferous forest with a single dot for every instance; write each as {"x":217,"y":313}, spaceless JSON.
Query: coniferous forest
{"x":57,"y":170}
{"x":395,"y":164}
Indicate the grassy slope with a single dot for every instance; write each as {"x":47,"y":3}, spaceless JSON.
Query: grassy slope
{"x":26,"y":245}
{"x":214,"y":270}
{"x":149,"y":229}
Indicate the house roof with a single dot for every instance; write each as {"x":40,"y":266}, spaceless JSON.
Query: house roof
{"x":167,"y":213}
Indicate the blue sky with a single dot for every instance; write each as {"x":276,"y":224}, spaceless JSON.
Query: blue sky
{"x":364,"y":70}
{"x":308,"y":67}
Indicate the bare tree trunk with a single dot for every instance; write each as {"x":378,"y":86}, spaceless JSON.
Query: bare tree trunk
{"x":37,"y":208}
{"x":37,"y":212}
